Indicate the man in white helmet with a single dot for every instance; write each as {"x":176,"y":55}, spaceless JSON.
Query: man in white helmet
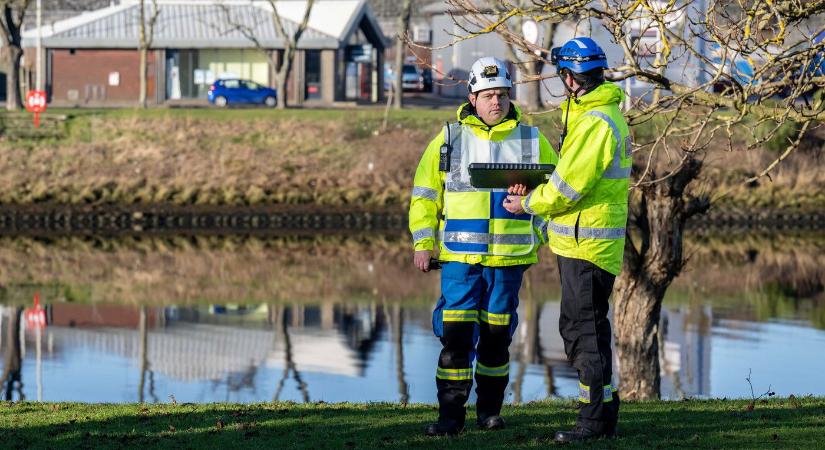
{"x":483,"y":250}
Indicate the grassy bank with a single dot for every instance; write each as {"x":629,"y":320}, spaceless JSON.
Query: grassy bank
{"x":778,"y":423}
{"x":322,"y":158}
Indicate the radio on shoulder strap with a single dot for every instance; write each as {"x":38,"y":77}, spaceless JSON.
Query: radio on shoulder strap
{"x":445,"y":152}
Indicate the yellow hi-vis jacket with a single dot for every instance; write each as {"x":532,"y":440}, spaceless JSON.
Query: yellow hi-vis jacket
{"x":586,"y":197}
{"x":471,"y":224}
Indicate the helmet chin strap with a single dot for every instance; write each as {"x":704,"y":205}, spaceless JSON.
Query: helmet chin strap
{"x":571,"y":95}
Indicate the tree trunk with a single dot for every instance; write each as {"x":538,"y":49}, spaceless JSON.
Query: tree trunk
{"x":636,"y":314}
{"x":532,"y":89}
{"x":400,"y":47}
{"x":143,"y":57}
{"x":649,"y":268}
{"x":14,"y":99}
{"x":281,"y":82}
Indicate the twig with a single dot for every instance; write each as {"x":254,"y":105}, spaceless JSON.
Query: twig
{"x":754,"y":399}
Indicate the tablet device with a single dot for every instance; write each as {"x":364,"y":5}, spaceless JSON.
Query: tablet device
{"x":504,"y":175}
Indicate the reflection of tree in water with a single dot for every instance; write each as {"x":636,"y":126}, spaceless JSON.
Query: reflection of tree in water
{"x":12,"y":362}
{"x":530,"y":351}
{"x":759,"y":276}
{"x":396,"y":321}
{"x":279,"y":317}
{"x":362,"y":327}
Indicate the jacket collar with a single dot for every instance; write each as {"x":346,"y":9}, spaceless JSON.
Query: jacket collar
{"x":604,"y":94}
{"x":466,"y":115}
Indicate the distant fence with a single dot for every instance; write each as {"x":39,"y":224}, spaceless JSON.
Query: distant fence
{"x":109,"y":221}
{"x":760,"y":220}
{"x":155,"y":220}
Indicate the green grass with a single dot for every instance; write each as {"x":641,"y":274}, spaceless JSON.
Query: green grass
{"x":778,"y":423}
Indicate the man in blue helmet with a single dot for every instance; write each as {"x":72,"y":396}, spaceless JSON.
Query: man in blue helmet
{"x":586,"y":202}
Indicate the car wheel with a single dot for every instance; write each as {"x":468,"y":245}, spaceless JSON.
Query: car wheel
{"x":270,"y":101}
{"x":220,"y":101}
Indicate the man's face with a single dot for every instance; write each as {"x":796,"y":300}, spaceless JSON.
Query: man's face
{"x":492,"y":105}
{"x":568,"y":79}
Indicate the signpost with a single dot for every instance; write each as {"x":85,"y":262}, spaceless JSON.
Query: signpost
{"x":36,"y":99}
{"x":36,"y":103}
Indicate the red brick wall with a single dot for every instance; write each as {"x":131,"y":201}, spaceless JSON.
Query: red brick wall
{"x":119,"y":316}
{"x":87,"y":72}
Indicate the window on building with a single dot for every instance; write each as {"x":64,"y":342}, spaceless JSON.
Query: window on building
{"x":313,"y":74}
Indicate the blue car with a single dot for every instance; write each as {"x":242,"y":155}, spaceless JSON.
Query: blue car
{"x":233,"y":91}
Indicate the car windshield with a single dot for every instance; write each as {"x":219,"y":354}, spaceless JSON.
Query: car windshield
{"x":410,"y":70}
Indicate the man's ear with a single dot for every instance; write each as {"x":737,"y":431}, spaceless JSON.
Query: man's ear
{"x":472,"y":98}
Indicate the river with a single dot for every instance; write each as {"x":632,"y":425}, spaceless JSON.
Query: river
{"x":338,"y":318}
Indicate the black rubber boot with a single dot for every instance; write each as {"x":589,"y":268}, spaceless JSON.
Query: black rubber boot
{"x":444,"y":427}
{"x":580,"y":434}
{"x":490,"y":423}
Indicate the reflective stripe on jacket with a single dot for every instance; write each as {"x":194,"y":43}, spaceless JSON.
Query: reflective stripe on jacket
{"x":586,"y":197}
{"x":474,"y":227}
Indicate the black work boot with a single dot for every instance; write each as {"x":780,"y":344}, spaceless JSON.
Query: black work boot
{"x":444,"y":427}
{"x":490,"y":422}
{"x":579,"y":434}
{"x":611,"y":430}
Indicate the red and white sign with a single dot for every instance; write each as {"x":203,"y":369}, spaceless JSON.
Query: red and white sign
{"x":36,"y":101}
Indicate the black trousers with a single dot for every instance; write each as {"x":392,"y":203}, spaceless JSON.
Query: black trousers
{"x":585,"y":329}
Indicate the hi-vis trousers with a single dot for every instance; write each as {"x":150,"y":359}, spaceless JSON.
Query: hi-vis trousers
{"x":475,"y":319}
{"x":586,"y":332}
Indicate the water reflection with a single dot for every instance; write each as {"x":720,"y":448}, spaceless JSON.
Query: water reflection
{"x":328,"y":328}
{"x":12,"y":356}
{"x":336,"y":352}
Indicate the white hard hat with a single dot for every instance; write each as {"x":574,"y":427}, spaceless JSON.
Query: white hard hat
{"x":488,"y":73}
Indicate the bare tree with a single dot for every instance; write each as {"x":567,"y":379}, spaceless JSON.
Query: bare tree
{"x":400,"y":50}
{"x":282,"y":62}
{"x":146,"y":34}
{"x":530,"y":59}
{"x":290,"y":47}
{"x":692,"y":116}
{"x":12,"y":13}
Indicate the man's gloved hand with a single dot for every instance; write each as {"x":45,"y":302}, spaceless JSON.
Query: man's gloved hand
{"x":422,"y":260}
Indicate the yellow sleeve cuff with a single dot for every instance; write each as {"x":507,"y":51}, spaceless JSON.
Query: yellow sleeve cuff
{"x":424,"y":244}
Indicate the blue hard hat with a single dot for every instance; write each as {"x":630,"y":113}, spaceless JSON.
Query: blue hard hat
{"x":580,"y":54}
